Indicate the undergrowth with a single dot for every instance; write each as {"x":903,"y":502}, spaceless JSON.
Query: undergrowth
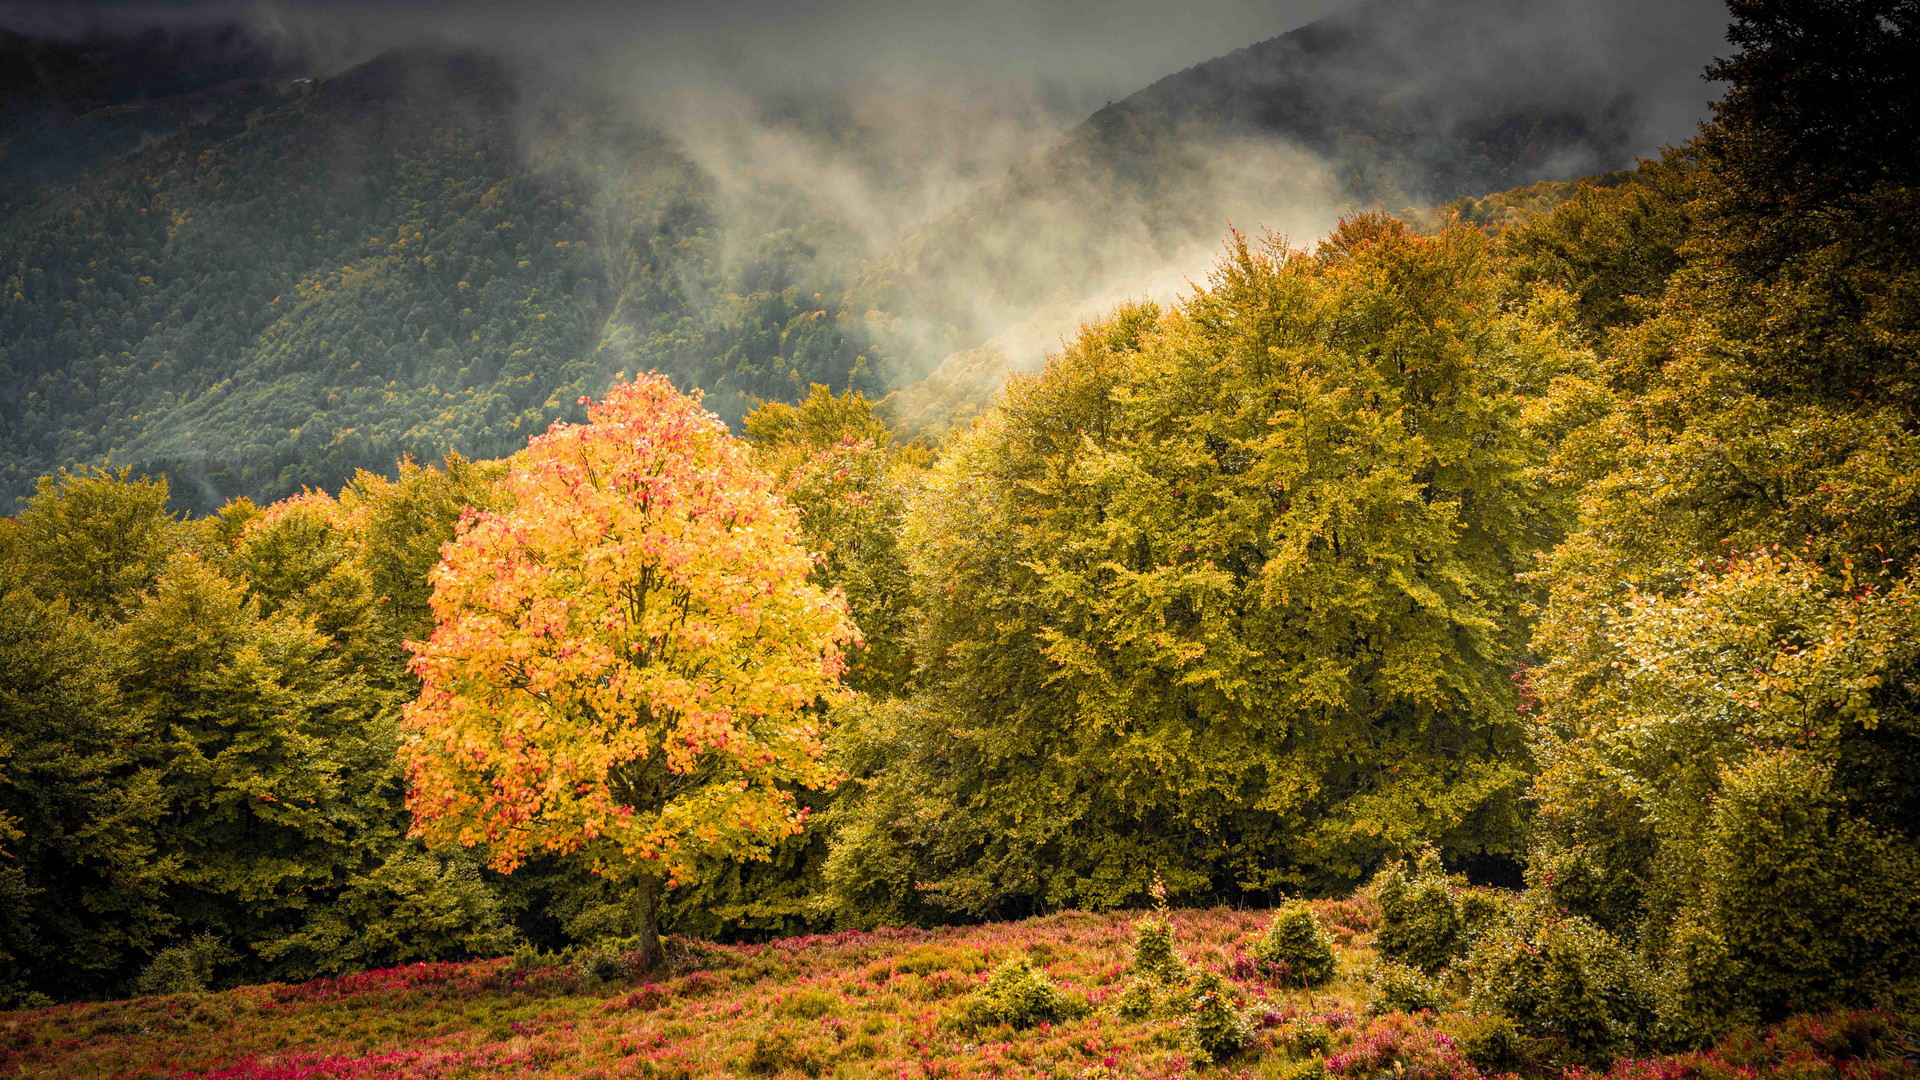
{"x":1041,"y":997}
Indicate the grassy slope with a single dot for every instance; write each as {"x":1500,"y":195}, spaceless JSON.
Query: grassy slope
{"x":883,"y":1005}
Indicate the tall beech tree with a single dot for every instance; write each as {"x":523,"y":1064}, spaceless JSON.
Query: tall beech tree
{"x":1226,"y":593}
{"x":624,"y":664}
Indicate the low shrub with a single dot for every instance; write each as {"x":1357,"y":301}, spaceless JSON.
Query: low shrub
{"x":605,"y":960}
{"x":184,"y":968}
{"x":1485,"y":911}
{"x":1138,"y":1000}
{"x":1295,"y":950}
{"x":1695,"y":988}
{"x":1420,"y":919}
{"x":1492,"y":1044}
{"x":1815,"y":908}
{"x":1018,"y":995}
{"x":1306,"y":1037}
{"x":1566,"y":979}
{"x":1154,"y":956}
{"x":1400,"y":988}
{"x":1216,"y":1025}
{"x":1604,"y":885}
{"x":527,"y":962}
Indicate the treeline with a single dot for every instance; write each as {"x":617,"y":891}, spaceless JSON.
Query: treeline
{"x":1580,"y":557}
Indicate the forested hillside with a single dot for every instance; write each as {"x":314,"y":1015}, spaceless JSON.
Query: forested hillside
{"x":281,"y":282}
{"x":1391,"y":104}
{"x":415,"y":258}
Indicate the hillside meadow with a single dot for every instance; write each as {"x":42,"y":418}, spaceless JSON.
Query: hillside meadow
{"x":882,"y":1004}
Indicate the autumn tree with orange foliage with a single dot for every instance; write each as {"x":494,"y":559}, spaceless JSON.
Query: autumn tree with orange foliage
{"x":624,"y":664}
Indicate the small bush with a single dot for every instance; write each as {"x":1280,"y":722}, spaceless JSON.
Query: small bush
{"x":1816,"y":908}
{"x":1694,"y":991}
{"x":1492,"y":1044}
{"x":605,"y":960}
{"x":1216,"y":1027}
{"x":1600,"y":885}
{"x":1294,"y":949}
{"x":1304,"y":1037}
{"x":1137,"y":1001}
{"x":1420,"y":920}
{"x":781,"y":1049}
{"x":1568,"y":979}
{"x":1485,"y":911}
{"x":1153,"y":953}
{"x":527,"y":962}
{"x":183,"y":968}
{"x":1399,"y":988}
{"x":1016,"y":994}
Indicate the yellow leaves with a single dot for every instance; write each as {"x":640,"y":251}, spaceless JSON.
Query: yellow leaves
{"x":640,"y":603}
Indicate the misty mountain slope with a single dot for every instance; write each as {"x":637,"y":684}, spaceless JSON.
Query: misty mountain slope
{"x":438,"y":251}
{"x":415,"y":258}
{"x":1404,"y":104}
{"x":297,"y":295}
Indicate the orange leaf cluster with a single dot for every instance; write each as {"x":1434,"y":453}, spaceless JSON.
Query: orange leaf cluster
{"x":627,"y":660}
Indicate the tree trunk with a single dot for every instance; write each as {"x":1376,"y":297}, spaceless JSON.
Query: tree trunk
{"x":646,"y":910}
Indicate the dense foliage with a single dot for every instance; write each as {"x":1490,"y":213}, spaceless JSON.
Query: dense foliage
{"x":1183,"y":592}
{"x":1727,"y":731}
{"x":624,"y":660}
{"x":201,"y":721}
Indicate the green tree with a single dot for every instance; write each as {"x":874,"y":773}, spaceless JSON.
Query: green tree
{"x":82,"y":889}
{"x":1749,"y":467}
{"x":1228,"y":592}
{"x":208,"y":765}
{"x":96,"y":538}
{"x":836,"y":462}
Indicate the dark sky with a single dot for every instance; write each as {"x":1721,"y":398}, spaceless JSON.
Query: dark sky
{"x":1087,"y":49}
{"x":1071,"y":54}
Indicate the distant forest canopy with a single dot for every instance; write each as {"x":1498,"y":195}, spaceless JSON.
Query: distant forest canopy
{"x":250,"y":284}
{"x":1569,"y":544}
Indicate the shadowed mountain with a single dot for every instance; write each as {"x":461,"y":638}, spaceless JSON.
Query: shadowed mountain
{"x":417,"y":256}
{"x":1400,"y":104}
{"x":255,"y":283}
{"x":67,"y":106}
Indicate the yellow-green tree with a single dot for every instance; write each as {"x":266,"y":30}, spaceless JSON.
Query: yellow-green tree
{"x":1226,"y":592}
{"x":625,"y":661}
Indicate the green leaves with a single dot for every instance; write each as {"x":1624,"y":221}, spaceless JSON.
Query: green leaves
{"x":1229,"y":591}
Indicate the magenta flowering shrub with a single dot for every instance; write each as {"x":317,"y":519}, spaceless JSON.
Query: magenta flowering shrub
{"x":1404,"y":1047}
